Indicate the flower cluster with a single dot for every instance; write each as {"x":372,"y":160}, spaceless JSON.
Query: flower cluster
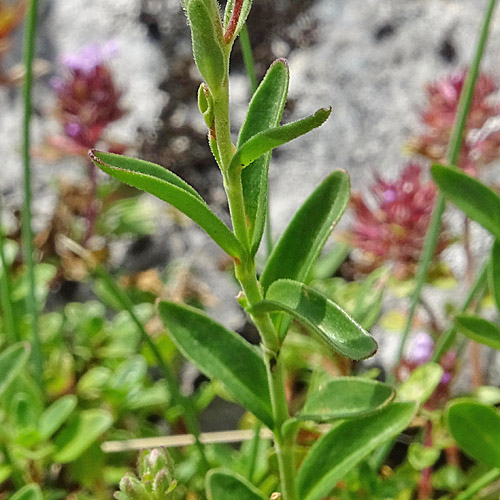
{"x":481,"y":143}
{"x":155,"y":480}
{"x":394,"y":230}
{"x":88,"y":99}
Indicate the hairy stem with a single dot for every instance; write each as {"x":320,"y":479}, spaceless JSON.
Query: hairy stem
{"x":27,"y":232}
{"x":246,"y":275}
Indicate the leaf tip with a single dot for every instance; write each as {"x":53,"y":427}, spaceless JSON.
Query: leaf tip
{"x":93,"y":156}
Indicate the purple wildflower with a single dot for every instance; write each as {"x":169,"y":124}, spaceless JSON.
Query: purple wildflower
{"x":421,"y":348}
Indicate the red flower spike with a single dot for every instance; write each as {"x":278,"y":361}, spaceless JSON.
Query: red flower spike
{"x":478,"y":149}
{"x":88,"y":100}
{"x":394,"y":230}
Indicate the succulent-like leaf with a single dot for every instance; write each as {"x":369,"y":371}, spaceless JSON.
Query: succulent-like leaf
{"x":12,"y":361}
{"x":477,"y":201}
{"x":479,"y":329}
{"x":227,"y":485}
{"x":340,"y":449}
{"x":321,"y":315}
{"x":208,"y":42}
{"x":476,"y":429}
{"x":265,"y":141}
{"x":159,"y":182}
{"x":80,"y":433}
{"x":222,"y":354}
{"x":347,"y":397}
{"x":264,"y":112}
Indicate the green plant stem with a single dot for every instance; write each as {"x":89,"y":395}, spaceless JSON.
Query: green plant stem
{"x":246,"y":275}
{"x":254,"y":450}
{"x":452,"y":155}
{"x":27,"y":233}
{"x":246,"y":49}
{"x":177,"y":396}
{"x":446,"y":340}
{"x":479,"y":484}
{"x":10,"y":323}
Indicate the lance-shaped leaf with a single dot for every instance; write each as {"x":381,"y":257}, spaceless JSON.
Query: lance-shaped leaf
{"x":476,"y":200}
{"x":227,"y":485}
{"x":222,"y":354}
{"x":347,"y":397}
{"x":12,"y":361}
{"x":476,"y":429}
{"x":304,"y":238}
{"x":267,"y":140}
{"x":494,"y":272}
{"x":159,"y":182}
{"x":264,"y":112}
{"x":340,"y":449}
{"x":479,"y":329}
{"x":321,"y":315}
{"x":208,"y":42}
{"x":235,"y":16}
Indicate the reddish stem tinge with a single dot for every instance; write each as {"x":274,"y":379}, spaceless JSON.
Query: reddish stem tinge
{"x":425,"y":483}
{"x":233,"y":22}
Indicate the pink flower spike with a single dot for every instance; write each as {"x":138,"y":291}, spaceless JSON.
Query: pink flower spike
{"x":90,"y":56}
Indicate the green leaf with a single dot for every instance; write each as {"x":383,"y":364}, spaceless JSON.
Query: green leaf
{"x":264,"y":111}
{"x":80,"y":433}
{"x":421,"y":383}
{"x":208,"y":41}
{"x":28,"y":492}
{"x":245,"y":10}
{"x":344,"y":446}
{"x":267,"y":140}
{"x":477,"y":201}
{"x":322,"y":316}
{"x":347,"y":397}
{"x":12,"y":361}
{"x":421,"y":457}
{"x":170,"y":188}
{"x":227,"y":485}
{"x":476,"y":429}
{"x":305,"y":236}
{"x":55,"y":415}
{"x":479,"y":329}
{"x":221,"y":354}
{"x":495,"y":272}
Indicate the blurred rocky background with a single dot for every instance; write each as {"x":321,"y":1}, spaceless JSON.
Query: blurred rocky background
{"x":369,"y":59}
